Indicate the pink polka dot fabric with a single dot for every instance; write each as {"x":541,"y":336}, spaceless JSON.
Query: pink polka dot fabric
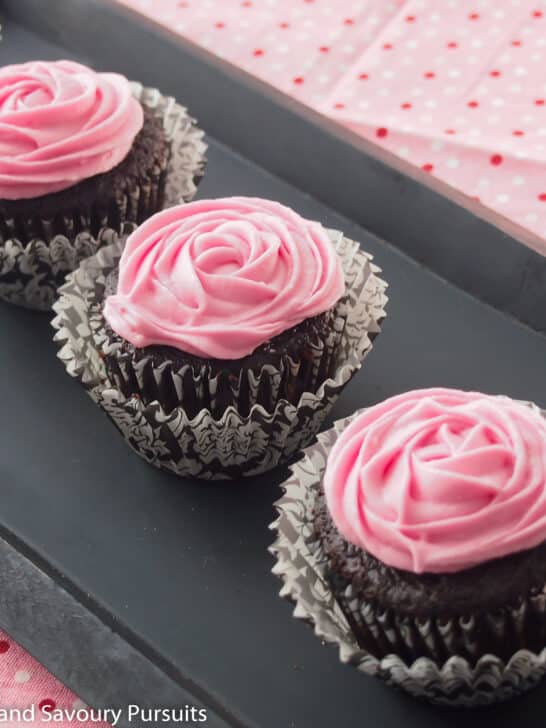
{"x":456,"y":87}
{"x":25,"y":683}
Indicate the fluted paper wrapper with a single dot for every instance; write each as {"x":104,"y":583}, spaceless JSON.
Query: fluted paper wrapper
{"x":30,"y":273}
{"x":301,"y":564}
{"x":232,"y":444}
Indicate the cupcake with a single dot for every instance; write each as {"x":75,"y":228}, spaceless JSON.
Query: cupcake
{"x":231,"y":313}
{"x":79,"y":151}
{"x":224,"y":303}
{"x":425,"y":520}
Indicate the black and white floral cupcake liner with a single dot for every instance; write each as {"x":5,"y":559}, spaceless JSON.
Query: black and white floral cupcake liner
{"x":301,"y":564}
{"x":30,"y":273}
{"x":232,"y":444}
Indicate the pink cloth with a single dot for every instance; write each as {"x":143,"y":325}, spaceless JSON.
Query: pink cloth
{"x":25,"y":683}
{"x":456,"y":87}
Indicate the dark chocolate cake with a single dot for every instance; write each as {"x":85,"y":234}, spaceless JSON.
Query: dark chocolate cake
{"x":467,"y":607}
{"x":130,"y":192}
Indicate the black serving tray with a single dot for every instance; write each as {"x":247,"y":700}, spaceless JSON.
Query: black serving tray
{"x":133,"y":586}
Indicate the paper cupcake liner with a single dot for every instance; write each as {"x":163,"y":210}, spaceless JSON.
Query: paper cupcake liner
{"x":302,"y":566}
{"x":30,"y":273}
{"x":203,"y":445}
{"x":195,"y":388}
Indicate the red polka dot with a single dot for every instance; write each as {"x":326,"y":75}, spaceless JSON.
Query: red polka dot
{"x":339,"y":105}
{"x":496,"y":159}
{"x":450,"y":131}
{"x":4,"y":646}
{"x":494,"y":74}
{"x":428,"y":167}
{"x":405,"y":105}
{"x":47,"y":703}
{"x":363,"y":76}
{"x":429,"y":74}
{"x":284,"y":25}
{"x":298,"y":80}
{"x":348,"y":21}
{"x":542,"y":197}
{"x":246,"y":4}
{"x":538,"y":14}
{"x":473,"y":104}
{"x":381,"y":132}
{"x":387,"y":46}
{"x":516,"y":43}
{"x":539,"y":102}
{"x":258,"y":52}
{"x":474,"y":16}
{"x":324,"y":49}
{"x":219,"y":25}
{"x":410,"y":18}
{"x":518,"y":132}
{"x":452,"y":44}
{"x":475,"y":197}
{"x":182,"y":4}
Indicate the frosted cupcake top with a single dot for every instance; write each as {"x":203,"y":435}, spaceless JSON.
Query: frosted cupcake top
{"x":440,"y":480}
{"x":217,"y":278}
{"x":60,"y":123}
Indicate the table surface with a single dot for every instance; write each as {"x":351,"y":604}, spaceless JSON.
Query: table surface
{"x":183,"y":566}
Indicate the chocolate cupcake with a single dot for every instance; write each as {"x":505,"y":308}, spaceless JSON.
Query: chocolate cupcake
{"x":79,"y":152}
{"x":427,"y":522}
{"x":223,"y":303}
{"x":218,"y":336}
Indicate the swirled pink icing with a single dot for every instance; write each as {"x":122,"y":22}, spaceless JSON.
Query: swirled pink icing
{"x":217,"y":278}
{"x":440,"y":480}
{"x":60,"y":123}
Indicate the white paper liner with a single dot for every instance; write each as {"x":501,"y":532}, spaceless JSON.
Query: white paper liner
{"x":301,"y":566}
{"x":232,"y":445}
{"x":29,"y":272}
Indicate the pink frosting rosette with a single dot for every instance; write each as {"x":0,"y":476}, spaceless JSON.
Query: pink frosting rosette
{"x":217,"y":278}
{"x":60,"y":123}
{"x":440,"y":480}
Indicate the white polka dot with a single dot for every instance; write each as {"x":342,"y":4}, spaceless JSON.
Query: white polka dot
{"x":477,"y":43}
{"x":417,"y":92}
{"x":22,"y":676}
{"x":483,"y":182}
{"x":364,"y":104}
{"x":348,"y":49}
{"x":388,"y":74}
{"x":79,"y":704}
{"x":474,"y":132}
{"x":453,"y":162}
{"x":412,"y":44}
{"x":531,"y":217}
{"x":497,"y":102}
{"x":383,"y":92}
{"x":520,"y":71}
{"x":323,"y":78}
{"x":454,"y":73}
{"x":528,"y":118}
{"x":425,"y":118}
{"x":431,"y":104}
{"x":437,"y":145}
{"x":503,"y":197}
{"x":403,"y":151}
